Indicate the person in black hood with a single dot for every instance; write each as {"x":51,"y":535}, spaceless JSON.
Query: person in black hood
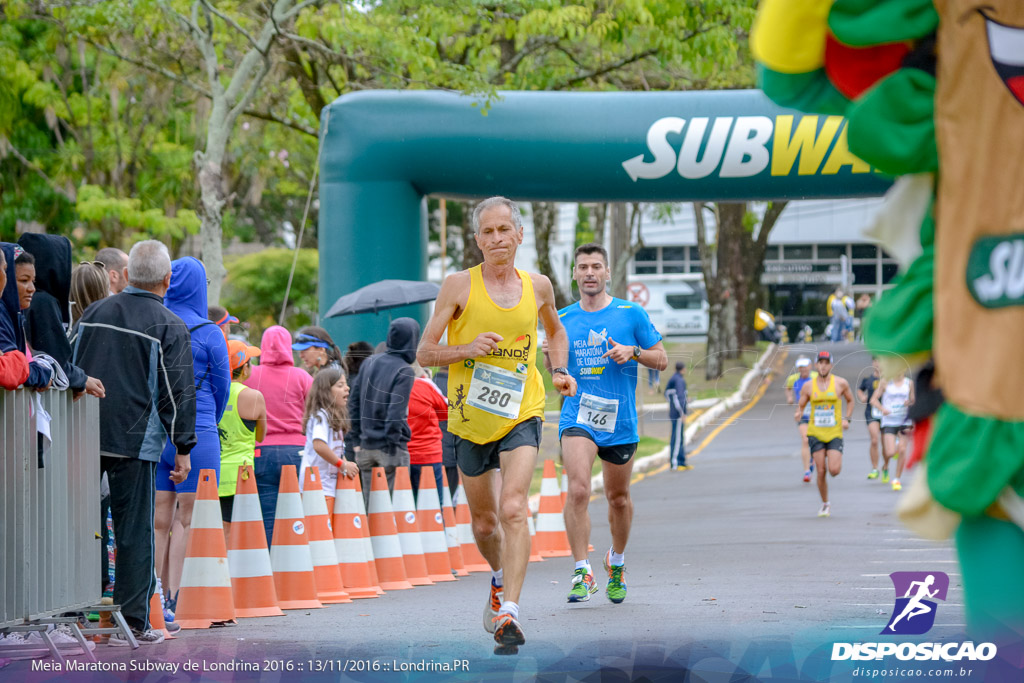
{"x":48,"y":319}
{"x":379,"y":403}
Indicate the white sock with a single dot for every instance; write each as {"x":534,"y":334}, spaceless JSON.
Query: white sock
{"x":584,"y":564}
{"x":616,"y":559}
{"x":498,"y":577}
{"x":511,"y":608}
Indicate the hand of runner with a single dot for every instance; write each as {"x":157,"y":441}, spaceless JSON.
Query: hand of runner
{"x":484,"y":343}
{"x":620,"y":353}
{"x":566,"y":384}
{"x":797,"y":415}
{"x":846,"y":423}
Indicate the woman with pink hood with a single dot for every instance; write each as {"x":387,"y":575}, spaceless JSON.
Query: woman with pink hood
{"x":284,"y":387}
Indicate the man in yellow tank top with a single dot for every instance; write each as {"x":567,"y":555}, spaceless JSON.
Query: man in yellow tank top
{"x":825,"y":430}
{"x":496,"y":398}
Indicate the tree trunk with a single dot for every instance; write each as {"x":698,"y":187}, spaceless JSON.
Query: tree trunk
{"x":600,"y":221}
{"x":620,"y":243}
{"x":471,"y":254}
{"x":545,"y":223}
{"x":211,"y":188}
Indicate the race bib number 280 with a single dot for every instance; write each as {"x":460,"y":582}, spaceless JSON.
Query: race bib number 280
{"x":496,"y":390}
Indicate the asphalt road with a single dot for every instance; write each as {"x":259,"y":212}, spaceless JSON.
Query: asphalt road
{"x":723,"y":558}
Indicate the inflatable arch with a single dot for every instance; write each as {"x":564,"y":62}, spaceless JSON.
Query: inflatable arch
{"x":384,"y":151}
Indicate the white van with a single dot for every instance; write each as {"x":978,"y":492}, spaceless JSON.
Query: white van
{"x":676,"y":303}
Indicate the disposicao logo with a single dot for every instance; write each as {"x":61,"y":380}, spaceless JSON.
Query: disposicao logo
{"x":913,"y":614}
{"x":914,"y":611}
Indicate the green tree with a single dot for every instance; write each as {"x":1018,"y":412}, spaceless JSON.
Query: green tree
{"x":255,"y":286}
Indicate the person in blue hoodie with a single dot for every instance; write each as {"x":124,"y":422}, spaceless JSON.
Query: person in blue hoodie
{"x":186,"y":298}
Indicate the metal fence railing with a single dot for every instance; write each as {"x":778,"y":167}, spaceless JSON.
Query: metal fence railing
{"x":49,"y":506}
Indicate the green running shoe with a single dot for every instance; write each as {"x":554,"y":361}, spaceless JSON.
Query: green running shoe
{"x":885,"y":476}
{"x":873,"y":474}
{"x":616,"y":588}
{"x":583,"y":585}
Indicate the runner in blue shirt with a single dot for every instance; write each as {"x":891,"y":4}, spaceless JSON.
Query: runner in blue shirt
{"x":608,"y":339}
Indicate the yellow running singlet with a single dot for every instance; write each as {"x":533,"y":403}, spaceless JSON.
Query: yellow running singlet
{"x":826,"y":419}
{"x":489,"y":396}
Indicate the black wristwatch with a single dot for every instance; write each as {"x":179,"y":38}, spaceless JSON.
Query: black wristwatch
{"x":559,"y":371}
{"x":636,"y":352}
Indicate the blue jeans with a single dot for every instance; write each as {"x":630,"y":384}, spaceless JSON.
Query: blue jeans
{"x":414,"y":478}
{"x":268,"y":479}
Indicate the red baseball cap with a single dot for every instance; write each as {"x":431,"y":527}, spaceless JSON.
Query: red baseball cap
{"x":825,"y":355}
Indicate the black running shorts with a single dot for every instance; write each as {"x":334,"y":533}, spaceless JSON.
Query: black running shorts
{"x":474,"y":459}
{"x":618,"y":454}
{"x":833,"y":445}
{"x":899,"y":429}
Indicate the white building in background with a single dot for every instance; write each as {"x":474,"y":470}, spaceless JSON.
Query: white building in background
{"x":816,"y":246}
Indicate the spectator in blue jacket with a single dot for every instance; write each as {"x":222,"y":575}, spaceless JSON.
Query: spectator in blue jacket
{"x":675,"y":392}
{"x":186,"y":298}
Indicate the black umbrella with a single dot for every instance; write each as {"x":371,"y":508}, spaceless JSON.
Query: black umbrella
{"x":383,"y":295}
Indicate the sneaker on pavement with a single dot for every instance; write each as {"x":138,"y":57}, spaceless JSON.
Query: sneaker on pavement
{"x":807,"y":476}
{"x":508,"y":634}
{"x":583,"y":586}
{"x":17,"y":646}
{"x":896,"y":485}
{"x":873,"y":474}
{"x":492,"y":607}
{"x":616,"y":588}
{"x":825,"y":511}
{"x":64,"y":638}
{"x":172,"y":627}
{"x":148,"y":637}
{"x":885,"y":476}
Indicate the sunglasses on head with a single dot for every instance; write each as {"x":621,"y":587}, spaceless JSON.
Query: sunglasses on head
{"x":98,"y":264}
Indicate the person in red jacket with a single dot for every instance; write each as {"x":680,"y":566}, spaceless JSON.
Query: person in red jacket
{"x":13,"y":363}
{"x":428,"y":407}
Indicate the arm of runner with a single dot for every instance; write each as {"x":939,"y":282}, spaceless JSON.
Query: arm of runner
{"x":547,"y":358}
{"x":876,"y":398}
{"x":848,"y":395}
{"x":913,"y":394}
{"x":805,"y":396}
{"x":433,"y":354}
{"x":790,"y":395}
{"x":558,"y":340}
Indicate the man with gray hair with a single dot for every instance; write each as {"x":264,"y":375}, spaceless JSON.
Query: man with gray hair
{"x":496,"y":398}
{"x":143,"y":355}
{"x":114,"y":262}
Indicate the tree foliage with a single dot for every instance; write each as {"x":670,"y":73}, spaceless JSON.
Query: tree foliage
{"x":255,"y":286}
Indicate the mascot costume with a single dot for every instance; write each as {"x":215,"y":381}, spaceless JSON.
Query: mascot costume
{"x":933,"y":91}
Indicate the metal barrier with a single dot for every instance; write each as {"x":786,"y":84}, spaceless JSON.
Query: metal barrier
{"x":49,"y":507}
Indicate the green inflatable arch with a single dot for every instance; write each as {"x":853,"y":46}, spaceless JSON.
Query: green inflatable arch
{"x":384,"y":151}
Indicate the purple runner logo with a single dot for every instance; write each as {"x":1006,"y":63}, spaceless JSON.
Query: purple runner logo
{"x":914,"y":612}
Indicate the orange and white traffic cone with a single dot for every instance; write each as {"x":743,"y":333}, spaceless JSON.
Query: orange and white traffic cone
{"x":348,"y":524}
{"x":329,"y":588}
{"x":551,"y":537}
{"x":252,"y":578}
{"x":471,"y":557}
{"x":534,"y":549}
{"x":451,"y":532}
{"x":435,"y":547}
{"x":387,"y":548}
{"x":205,"y":593}
{"x":409,"y":529}
{"x":367,"y":541}
{"x":289,"y":551}
{"x":156,"y":617}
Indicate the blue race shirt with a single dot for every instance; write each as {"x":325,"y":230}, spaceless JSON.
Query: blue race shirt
{"x":605,"y":400}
